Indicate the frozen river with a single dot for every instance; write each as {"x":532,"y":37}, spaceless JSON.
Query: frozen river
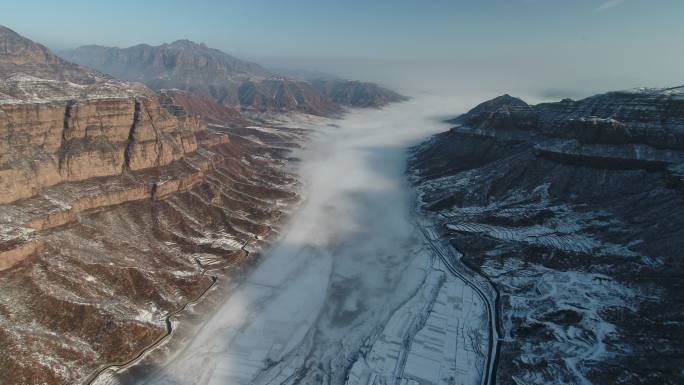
{"x":351,"y":294}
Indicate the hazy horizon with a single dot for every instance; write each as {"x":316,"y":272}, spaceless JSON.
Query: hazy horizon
{"x":543,"y":50}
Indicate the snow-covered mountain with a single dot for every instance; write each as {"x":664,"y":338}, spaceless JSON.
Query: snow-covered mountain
{"x":575,"y":211}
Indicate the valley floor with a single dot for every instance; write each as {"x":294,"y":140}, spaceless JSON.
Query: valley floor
{"x":353,"y":292}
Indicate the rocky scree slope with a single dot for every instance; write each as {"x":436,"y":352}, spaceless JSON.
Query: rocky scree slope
{"x":229,"y":81}
{"x":118,"y":206}
{"x":575,"y":210}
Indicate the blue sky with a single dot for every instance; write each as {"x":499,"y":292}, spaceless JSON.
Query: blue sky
{"x":634,"y":37}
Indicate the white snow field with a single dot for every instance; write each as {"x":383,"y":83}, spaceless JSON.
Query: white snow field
{"x":351,"y":294}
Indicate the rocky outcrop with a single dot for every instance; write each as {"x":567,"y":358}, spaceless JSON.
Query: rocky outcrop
{"x":574,"y":211}
{"x":17,"y":250}
{"x":78,"y":139}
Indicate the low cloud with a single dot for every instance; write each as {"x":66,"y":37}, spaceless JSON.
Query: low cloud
{"x":610,"y":4}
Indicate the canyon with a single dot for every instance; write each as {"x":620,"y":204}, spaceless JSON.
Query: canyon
{"x":352,"y":293}
{"x":172,"y":214}
{"x":121,"y":207}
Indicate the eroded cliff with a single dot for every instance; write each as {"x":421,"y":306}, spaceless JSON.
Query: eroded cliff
{"x":49,"y":142}
{"x":119,"y":207}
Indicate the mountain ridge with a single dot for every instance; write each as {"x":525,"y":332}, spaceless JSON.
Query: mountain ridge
{"x":180,"y":55}
{"x":565,"y":203}
{"x":208,"y":72}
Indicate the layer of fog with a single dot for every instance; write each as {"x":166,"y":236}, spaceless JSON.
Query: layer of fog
{"x":349,"y":258}
{"x":538,"y":77}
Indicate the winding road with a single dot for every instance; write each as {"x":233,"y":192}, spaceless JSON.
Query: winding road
{"x":93,"y":378}
{"x":451,"y":261}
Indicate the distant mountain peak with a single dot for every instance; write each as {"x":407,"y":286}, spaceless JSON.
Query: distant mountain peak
{"x":504,"y":101}
{"x":170,"y":65}
{"x":190,"y":66}
{"x":186,"y":43}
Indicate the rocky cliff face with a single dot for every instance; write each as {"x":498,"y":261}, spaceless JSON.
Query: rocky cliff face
{"x":118,"y":208}
{"x":49,"y":141}
{"x":574,"y":210}
{"x":228,"y":81}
